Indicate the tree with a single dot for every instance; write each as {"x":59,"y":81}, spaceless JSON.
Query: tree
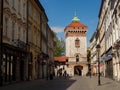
{"x":59,"y":48}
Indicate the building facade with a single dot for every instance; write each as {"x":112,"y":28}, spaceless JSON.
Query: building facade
{"x":93,"y":57}
{"x":109,"y":38}
{"x":76,"y":47}
{"x":34,"y":35}
{"x":1,"y":30}
{"x":14,"y":62}
{"x":24,"y":39}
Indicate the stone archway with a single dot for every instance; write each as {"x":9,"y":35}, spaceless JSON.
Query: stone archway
{"x":78,"y":70}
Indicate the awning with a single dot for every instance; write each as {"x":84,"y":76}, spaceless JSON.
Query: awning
{"x":61,"y":59}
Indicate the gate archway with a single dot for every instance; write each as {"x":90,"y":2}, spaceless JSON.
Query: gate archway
{"x":78,"y":70}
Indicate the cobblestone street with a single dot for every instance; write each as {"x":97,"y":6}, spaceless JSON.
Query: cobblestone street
{"x":75,"y":83}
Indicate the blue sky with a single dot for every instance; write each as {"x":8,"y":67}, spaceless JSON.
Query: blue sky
{"x":61,"y":12}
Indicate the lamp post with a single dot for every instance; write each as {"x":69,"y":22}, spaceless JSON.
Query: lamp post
{"x":98,"y":50}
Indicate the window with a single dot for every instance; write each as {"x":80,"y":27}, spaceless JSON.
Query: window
{"x":19,"y":6}
{"x":112,"y":4}
{"x":35,"y":13}
{"x":13,"y":3}
{"x":24,"y":35}
{"x":24,"y":10}
{"x":29,"y":8}
{"x":18,"y":33}
{"x":6,"y":26}
{"x":77,"y":58}
{"x":29,"y":32}
{"x":7,"y":1}
{"x":77,"y":43}
{"x":13,"y":30}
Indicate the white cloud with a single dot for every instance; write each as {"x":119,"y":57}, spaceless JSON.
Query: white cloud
{"x":58,"y":29}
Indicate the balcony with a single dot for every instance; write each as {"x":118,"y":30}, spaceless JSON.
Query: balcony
{"x":116,"y":45}
{"x":20,"y":44}
{"x":36,"y":47}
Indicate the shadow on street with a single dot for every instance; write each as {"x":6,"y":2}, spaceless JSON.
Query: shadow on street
{"x":55,"y":84}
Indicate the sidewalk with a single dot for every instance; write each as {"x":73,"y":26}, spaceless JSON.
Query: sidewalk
{"x":106,"y":84}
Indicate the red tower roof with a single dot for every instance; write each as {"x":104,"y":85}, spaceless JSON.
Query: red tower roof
{"x":76,"y":24}
{"x":75,"y":28}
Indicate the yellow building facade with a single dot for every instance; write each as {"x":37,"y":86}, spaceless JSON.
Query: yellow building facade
{"x":34,"y":13}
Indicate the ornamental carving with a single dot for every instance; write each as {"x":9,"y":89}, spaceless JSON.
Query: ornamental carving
{"x":7,"y":11}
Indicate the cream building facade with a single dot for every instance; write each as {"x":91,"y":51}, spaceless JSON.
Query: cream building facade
{"x":93,"y":58}
{"x":109,"y":38}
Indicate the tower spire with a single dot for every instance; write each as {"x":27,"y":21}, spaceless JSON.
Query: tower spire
{"x":75,"y":18}
{"x":75,"y":13}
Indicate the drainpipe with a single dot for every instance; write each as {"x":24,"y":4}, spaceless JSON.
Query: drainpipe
{"x":1,"y":34}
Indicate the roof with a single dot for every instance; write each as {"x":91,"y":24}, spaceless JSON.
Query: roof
{"x":76,"y":24}
{"x":60,"y":59}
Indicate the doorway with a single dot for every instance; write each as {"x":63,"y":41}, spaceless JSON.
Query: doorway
{"x":78,"y":70}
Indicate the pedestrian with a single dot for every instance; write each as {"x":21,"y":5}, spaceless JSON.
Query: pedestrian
{"x":51,"y":75}
{"x":65,"y":74}
{"x":60,"y":72}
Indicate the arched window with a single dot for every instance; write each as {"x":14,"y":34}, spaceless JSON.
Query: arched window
{"x":77,"y":58}
{"x":77,"y":43}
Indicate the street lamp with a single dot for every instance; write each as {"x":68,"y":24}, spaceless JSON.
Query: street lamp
{"x":98,"y":50}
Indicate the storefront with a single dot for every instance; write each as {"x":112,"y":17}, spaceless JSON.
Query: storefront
{"x":13,"y":64}
{"x":43,"y":65}
{"x":109,"y":64}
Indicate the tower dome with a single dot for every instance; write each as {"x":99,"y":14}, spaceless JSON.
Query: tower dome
{"x":75,"y":19}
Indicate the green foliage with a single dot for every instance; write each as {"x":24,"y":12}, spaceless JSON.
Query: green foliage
{"x":59,"y":48}
{"x":88,"y":54}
